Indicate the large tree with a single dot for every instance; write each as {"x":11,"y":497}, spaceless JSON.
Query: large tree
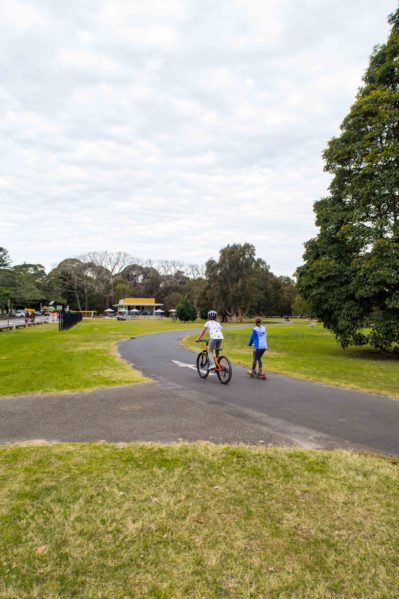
{"x":70,"y":275}
{"x":350,"y":278}
{"x":103,"y":269}
{"x":23,"y":285}
{"x":31,"y":281}
{"x":236,"y":282}
{"x":144,"y":281}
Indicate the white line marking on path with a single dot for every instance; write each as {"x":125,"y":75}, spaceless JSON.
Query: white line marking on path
{"x":184,"y":365}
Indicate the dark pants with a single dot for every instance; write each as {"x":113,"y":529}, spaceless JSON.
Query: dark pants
{"x":214,"y":344}
{"x":258,"y":353}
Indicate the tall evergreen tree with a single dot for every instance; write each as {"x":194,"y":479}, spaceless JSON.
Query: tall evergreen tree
{"x":5,"y":278}
{"x":350,"y":278}
{"x":186,"y":310}
{"x":235,"y":280}
{"x":5,"y":259}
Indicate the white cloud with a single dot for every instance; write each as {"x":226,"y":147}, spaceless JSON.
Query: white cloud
{"x":22,"y":15}
{"x":170,"y":128}
{"x":148,"y":24}
{"x":85,"y":61}
{"x":218,"y":78}
{"x":151,"y":36}
{"x":128,"y":10}
{"x":269,"y":19}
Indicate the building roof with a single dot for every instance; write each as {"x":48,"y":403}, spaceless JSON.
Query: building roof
{"x":137,"y":301}
{"x":140,"y":301}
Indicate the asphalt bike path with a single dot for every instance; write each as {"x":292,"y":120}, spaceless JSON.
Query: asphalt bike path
{"x":152,"y":412}
{"x":301,"y":413}
{"x":178,"y":406}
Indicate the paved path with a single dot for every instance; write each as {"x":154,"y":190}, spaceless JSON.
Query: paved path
{"x":179,"y":406}
{"x":15,"y":323}
{"x":306,"y":414}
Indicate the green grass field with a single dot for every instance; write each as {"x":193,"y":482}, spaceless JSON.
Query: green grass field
{"x":100,"y":520}
{"x":312,"y":353}
{"x":43,"y":360}
{"x":196,"y":521}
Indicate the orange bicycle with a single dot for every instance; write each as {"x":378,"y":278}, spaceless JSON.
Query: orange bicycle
{"x":224,"y":369}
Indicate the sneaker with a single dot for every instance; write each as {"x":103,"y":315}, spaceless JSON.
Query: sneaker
{"x":251,"y":373}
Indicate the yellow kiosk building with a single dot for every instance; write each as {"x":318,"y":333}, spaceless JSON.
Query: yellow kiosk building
{"x":139,"y":306}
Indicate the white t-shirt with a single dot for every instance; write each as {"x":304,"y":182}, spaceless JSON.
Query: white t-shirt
{"x":214,"y":329}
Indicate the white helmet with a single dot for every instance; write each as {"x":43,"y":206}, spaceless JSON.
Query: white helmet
{"x":212,"y":314}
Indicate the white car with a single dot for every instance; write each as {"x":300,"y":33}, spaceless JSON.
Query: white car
{"x":20,"y":313}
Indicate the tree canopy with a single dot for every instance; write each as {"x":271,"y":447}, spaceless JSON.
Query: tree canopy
{"x":350,"y":278}
{"x":5,"y":260}
{"x":241,"y":284}
{"x":186,"y":310}
{"x":237,"y":284}
{"x":22,"y":284}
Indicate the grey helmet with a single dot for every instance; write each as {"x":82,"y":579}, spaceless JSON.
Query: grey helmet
{"x":212,"y":314}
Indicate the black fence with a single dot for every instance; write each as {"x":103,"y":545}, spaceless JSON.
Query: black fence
{"x":68,"y":320}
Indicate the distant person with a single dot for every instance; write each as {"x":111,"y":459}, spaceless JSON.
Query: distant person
{"x":259,"y":340}
{"x":213,"y":327}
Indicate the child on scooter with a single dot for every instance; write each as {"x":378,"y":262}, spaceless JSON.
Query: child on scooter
{"x":259,"y":340}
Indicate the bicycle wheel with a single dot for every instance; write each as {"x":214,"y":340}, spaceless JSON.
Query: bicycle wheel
{"x":226,"y":372}
{"x":203,"y":364}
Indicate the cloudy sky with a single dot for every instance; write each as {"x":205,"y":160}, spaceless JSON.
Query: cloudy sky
{"x":170,"y":128}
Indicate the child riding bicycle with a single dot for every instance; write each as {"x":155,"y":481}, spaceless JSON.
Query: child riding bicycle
{"x":213,"y":327}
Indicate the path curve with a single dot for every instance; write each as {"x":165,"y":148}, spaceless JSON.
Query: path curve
{"x":179,"y":406}
{"x":307,"y":414}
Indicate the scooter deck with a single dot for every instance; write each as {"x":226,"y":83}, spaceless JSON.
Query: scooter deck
{"x":262,"y":377}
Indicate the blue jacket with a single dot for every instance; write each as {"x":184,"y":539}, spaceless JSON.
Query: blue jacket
{"x":258,"y":338}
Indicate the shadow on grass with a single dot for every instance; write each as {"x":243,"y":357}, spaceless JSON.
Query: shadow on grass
{"x":374,"y":354}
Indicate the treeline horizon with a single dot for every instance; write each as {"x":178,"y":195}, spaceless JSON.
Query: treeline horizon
{"x":236,"y":284}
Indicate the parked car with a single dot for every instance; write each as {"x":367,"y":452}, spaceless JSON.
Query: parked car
{"x":20,"y":313}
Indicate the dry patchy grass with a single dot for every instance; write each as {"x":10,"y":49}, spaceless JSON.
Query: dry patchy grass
{"x":196,"y":521}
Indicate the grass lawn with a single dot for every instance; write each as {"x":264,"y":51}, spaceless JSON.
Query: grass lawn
{"x":97,"y":520}
{"x":41,"y":359}
{"x":312,"y":353}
